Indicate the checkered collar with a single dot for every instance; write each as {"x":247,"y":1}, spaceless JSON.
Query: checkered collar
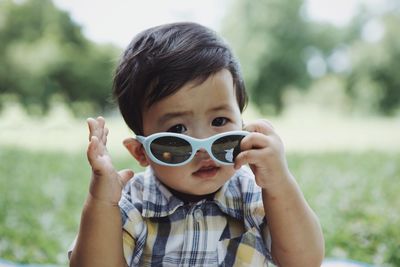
{"x":158,"y":201}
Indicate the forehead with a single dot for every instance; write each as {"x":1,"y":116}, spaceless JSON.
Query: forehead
{"x":216,"y":92}
{"x":217,"y":87}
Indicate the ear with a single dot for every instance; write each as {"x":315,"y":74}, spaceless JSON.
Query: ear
{"x":137,"y":151}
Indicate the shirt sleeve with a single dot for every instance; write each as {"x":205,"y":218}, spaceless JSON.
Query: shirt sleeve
{"x":267,"y":239}
{"x":254,"y":210}
{"x":128,"y":243}
{"x":132,"y":221}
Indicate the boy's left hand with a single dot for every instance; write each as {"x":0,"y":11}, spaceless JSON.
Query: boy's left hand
{"x":263,"y":150}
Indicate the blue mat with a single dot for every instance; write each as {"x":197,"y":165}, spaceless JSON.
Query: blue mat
{"x":326,"y":263}
{"x":344,"y":263}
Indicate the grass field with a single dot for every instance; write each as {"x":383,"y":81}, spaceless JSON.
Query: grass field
{"x":41,"y":197}
{"x":356,"y":196}
{"x":351,"y":181}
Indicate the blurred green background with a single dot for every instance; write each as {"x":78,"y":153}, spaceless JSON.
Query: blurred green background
{"x":332,"y":92}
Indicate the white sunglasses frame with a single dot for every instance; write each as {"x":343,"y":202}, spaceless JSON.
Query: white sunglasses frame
{"x":195,"y":143}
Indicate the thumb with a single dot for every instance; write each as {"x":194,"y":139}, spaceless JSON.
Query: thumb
{"x":125,"y":175}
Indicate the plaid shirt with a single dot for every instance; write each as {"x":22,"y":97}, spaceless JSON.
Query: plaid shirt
{"x":161,"y":230}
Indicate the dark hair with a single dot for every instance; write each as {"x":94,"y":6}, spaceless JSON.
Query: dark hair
{"x":162,"y":59}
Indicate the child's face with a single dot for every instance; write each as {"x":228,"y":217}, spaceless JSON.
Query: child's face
{"x":200,"y":111}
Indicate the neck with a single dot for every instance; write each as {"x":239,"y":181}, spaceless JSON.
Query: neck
{"x":189,"y":198}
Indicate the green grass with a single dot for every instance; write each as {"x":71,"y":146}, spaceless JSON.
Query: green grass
{"x":41,"y":197}
{"x":356,"y":196}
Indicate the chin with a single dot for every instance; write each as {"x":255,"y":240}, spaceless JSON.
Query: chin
{"x":204,"y":188}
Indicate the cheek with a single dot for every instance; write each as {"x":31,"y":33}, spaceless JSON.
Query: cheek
{"x":228,"y":171}
{"x":169,"y":175}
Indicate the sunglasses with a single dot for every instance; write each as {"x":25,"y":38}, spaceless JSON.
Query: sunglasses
{"x":173,"y":149}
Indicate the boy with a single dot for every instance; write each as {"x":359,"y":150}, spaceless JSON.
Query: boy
{"x":180,"y":90}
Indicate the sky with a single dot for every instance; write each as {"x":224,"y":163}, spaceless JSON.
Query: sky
{"x":118,"y":21}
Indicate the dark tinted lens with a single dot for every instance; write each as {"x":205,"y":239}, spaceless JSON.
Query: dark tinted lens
{"x":227,"y":148}
{"x":171,"y":149}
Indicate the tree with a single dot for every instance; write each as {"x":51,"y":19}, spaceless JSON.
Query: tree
{"x":376,"y":60}
{"x":270,"y":38}
{"x":44,"y":53}
{"x":276,"y":42}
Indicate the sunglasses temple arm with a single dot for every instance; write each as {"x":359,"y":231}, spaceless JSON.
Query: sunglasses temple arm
{"x":140,"y":138}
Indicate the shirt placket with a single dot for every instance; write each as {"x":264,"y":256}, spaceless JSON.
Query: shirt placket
{"x":195,"y":237}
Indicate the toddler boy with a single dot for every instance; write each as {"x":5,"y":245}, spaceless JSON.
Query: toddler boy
{"x":180,"y":90}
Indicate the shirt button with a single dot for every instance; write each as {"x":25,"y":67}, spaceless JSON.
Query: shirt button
{"x":198,"y":214}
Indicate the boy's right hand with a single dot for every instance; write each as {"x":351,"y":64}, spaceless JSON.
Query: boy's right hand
{"x":106,"y":184}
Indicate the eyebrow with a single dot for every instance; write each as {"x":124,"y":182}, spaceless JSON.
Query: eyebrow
{"x":172,"y":115}
{"x":223,"y":107}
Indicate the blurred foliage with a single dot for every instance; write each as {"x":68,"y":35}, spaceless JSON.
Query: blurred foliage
{"x":44,"y":53}
{"x":280,"y":48}
{"x":376,"y":61}
{"x":270,"y":46}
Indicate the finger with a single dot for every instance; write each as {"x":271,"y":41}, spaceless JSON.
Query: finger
{"x":247,"y":157}
{"x":91,"y":125}
{"x":101,"y":121}
{"x":267,"y":123}
{"x":92,"y":151}
{"x":102,"y":131}
{"x":260,"y":126}
{"x":105,"y":135}
{"x":96,"y":127}
{"x":254,"y":141}
{"x":125,"y":175}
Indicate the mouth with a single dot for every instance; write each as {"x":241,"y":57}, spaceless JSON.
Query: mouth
{"x":206,"y":171}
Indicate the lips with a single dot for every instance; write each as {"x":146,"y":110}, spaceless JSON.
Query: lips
{"x":206,"y":171}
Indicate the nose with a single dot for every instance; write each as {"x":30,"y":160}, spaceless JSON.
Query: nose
{"x":202,"y":154}
{"x":202,"y":131}
{"x":201,"y":151}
